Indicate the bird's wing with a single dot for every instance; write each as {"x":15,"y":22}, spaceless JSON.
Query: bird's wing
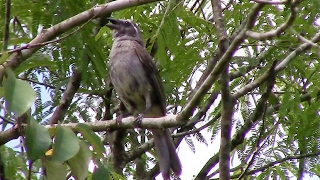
{"x":152,"y":73}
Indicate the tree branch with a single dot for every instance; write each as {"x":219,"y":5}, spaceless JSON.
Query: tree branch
{"x":17,"y":58}
{"x":282,"y":65}
{"x":262,"y":109}
{"x":6,"y":26}
{"x":72,"y":87}
{"x":226,"y":98}
{"x":41,"y":83}
{"x":240,"y":135}
{"x":214,"y":74}
{"x":100,"y":126}
{"x":276,"y":32}
{"x":277,"y":162}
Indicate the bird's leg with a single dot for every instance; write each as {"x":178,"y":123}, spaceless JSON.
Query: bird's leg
{"x":137,"y":121}
{"x":123,"y":113}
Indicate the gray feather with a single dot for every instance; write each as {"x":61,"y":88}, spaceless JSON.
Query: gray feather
{"x":138,"y":84}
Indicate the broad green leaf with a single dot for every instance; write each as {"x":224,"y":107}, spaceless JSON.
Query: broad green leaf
{"x":79,"y":164}
{"x":18,"y":94}
{"x":55,"y":170}
{"x":91,"y":137}
{"x":101,"y":173}
{"x":52,"y":131}
{"x":66,"y":145}
{"x":37,"y":140}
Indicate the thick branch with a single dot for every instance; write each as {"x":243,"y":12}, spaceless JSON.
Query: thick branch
{"x":240,"y":135}
{"x":72,"y":87}
{"x":225,"y":59}
{"x":101,"y":126}
{"x":227,"y":101}
{"x":9,"y":134}
{"x":127,"y":123}
{"x":17,"y":58}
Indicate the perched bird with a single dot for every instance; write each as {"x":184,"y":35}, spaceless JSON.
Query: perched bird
{"x":138,"y":84}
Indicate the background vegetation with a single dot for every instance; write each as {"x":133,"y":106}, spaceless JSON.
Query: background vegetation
{"x":247,"y":72}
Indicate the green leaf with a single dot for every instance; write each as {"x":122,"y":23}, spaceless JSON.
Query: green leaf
{"x":66,"y":144}
{"x":36,"y":60}
{"x":55,"y":170}
{"x":4,"y":57}
{"x":1,"y":92}
{"x":11,"y":162}
{"x":79,"y":164}
{"x":102,"y":31}
{"x":101,"y":173}
{"x":286,"y":104}
{"x":37,"y":140}
{"x":18,"y":94}
{"x":91,"y":137}
{"x":117,"y":176}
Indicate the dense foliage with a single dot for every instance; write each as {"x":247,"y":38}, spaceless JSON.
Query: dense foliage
{"x":246,"y":72}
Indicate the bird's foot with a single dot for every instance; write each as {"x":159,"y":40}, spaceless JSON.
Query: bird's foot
{"x":121,"y":116}
{"x":137,"y":122}
{"x":119,"y":119}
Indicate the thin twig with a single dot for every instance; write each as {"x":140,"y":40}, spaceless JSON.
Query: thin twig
{"x":28,"y":46}
{"x":277,"y":162}
{"x":303,"y":39}
{"x":7,"y":120}
{"x":196,"y":130}
{"x":42,"y":84}
{"x":270,"y":2}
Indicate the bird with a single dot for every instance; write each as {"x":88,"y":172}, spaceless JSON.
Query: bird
{"x":138,"y":84}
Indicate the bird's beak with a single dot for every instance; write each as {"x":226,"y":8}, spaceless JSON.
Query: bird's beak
{"x":115,"y":24}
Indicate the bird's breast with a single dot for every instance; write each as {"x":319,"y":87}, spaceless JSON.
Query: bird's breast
{"x":128,"y":75}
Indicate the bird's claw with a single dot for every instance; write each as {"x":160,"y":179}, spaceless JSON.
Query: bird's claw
{"x":138,"y":120}
{"x":119,"y":120}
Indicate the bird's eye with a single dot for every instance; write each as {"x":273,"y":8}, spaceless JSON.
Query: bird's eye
{"x":126,"y":23}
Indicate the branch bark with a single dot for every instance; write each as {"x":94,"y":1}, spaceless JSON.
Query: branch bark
{"x":240,"y":135}
{"x":18,"y":57}
{"x":224,"y":60}
{"x":100,"y":126}
{"x":72,"y":87}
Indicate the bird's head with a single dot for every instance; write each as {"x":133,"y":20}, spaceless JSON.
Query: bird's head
{"x":124,"y":29}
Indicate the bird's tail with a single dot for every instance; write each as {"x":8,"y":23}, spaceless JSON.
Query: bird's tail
{"x":168,"y":158}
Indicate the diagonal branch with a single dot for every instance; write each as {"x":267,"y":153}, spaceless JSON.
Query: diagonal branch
{"x":303,"y":156}
{"x":72,"y":87}
{"x":42,"y":84}
{"x":271,"y":82}
{"x":215,"y":73}
{"x":281,"y":66}
{"x":17,"y":58}
{"x":276,"y":32}
{"x":240,"y":135}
